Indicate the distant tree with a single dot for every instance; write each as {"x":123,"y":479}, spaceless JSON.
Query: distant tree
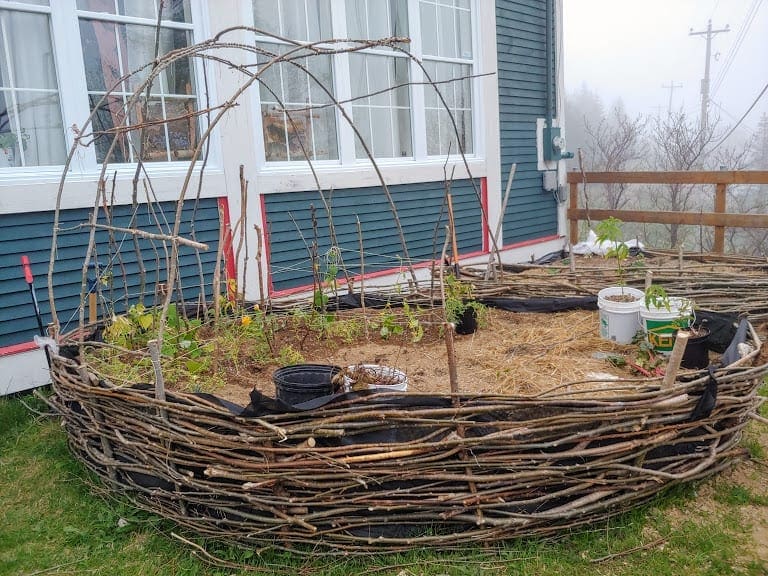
{"x":581,"y":108}
{"x":678,"y":144}
{"x":614,"y":144}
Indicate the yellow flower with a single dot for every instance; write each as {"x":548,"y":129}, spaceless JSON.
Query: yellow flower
{"x":245,"y":320}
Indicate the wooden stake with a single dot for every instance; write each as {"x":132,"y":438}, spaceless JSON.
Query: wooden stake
{"x":449,"y":328}
{"x":362,"y":273}
{"x":452,"y":227}
{"x":498,"y":224}
{"x":681,"y":341}
{"x":571,"y":258}
{"x":154,"y":352}
{"x":648,"y":279}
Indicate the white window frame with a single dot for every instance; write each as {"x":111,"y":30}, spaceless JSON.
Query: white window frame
{"x":73,"y":95}
{"x":282,"y":175}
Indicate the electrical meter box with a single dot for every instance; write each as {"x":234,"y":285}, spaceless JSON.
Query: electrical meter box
{"x":554,"y":144}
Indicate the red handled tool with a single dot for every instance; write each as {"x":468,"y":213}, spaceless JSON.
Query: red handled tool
{"x":31,"y":282}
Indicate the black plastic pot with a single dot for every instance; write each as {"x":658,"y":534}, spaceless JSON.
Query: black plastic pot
{"x":303,"y":382}
{"x":696,"y":355}
{"x":467,"y":324}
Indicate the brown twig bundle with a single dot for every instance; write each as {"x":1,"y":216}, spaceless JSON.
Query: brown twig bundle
{"x":385,"y":472}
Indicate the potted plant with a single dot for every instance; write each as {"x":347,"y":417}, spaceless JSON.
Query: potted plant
{"x":461,"y":308}
{"x":664,"y":317}
{"x":619,"y":305}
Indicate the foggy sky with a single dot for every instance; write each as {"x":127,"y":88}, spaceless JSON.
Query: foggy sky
{"x":628,"y":49}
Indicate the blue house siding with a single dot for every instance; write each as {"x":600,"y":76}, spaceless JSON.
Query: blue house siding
{"x":30,"y":234}
{"x":420,"y":208}
{"x":522,"y":77}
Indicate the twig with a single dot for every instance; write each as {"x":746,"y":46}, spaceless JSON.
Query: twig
{"x":648,"y":546}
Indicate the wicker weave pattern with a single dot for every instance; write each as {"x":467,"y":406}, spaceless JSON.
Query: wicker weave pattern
{"x":493,"y":468}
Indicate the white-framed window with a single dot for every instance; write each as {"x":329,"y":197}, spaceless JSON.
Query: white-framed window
{"x":31,"y":127}
{"x":446,"y":40}
{"x":58,"y":59}
{"x":397,"y":116}
{"x":295,"y":124}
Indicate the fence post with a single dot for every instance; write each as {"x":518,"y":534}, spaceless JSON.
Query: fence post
{"x":573,"y":204}
{"x":719,"y":244}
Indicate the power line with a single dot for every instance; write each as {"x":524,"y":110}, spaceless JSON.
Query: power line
{"x":732,"y":130}
{"x":746,"y":24}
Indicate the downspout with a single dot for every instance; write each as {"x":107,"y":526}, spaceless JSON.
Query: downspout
{"x":549,"y":39}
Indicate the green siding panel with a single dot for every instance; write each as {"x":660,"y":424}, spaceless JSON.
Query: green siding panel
{"x":31,"y":233}
{"x":420,"y":209}
{"x":522,"y":78}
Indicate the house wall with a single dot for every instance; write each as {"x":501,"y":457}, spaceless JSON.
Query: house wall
{"x":30,"y":234}
{"x":508,"y":107}
{"x":522,"y":76}
{"x":421,"y":211}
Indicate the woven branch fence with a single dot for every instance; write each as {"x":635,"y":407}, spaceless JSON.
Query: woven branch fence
{"x":387,"y":472}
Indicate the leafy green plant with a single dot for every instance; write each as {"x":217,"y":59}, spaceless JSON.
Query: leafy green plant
{"x":413,"y":322}
{"x":657,"y":297}
{"x":609,"y":231}
{"x":459,"y":299}
{"x":388,"y":324}
{"x":131,"y":330}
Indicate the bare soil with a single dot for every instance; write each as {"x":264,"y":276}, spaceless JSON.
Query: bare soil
{"x":513,"y":353}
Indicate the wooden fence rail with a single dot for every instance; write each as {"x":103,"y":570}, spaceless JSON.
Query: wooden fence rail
{"x":718,"y":218}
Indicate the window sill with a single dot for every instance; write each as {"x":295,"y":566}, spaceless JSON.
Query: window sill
{"x":36,"y":189}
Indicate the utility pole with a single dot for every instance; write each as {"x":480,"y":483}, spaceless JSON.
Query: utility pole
{"x":709,"y":33}
{"x":671,"y":87}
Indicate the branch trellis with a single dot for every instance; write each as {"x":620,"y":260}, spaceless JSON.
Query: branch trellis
{"x":369,"y":472}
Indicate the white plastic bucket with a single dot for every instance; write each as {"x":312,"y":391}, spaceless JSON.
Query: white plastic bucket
{"x":619,"y":321}
{"x":396,"y":380}
{"x":661,"y":325}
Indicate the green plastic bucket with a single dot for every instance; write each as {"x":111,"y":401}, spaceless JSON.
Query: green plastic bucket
{"x":661,"y":325}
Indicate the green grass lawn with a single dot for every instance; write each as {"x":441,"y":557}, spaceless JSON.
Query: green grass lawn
{"x":55,"y":520}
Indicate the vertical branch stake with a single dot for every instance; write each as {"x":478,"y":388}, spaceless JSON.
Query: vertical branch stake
{"x":674,"y":359}
{"x":154,"y":352}
{"x":449,"y":328}
{"x":362,"y":273}
{"x":648,"y":279}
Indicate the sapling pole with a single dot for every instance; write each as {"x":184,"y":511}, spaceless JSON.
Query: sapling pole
{"x":491,"y":253}
{"x":681,"y":341}
{"x":362,"y":273}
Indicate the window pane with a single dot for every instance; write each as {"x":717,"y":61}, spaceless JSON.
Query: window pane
{"x":378,"y":19}
{"x":375,"y":19}
{"x":286,"y":84}
{"x":428,"y":28}
{"x":31,"y":57}
{"x":357,"y":27}
{"x":401,"y":130}
{"x":361,"y":116}
{"x":446,"y":32}
{"x":275,"y":138}
{"x":102,"y":65}
{"x":303,"y":20}
{"x":389,"y":111}
{"x":137,"y":8}
{"x":183,"y":134}
{"x":177,"y":11}
{"x":324,"y":130}
{"x":167,"y":124}
{"x":294,"y":16}
{"x":266,"y":15}
{"x":381,"y":127}
{"x":319,"y":20}
{"x":433,"y":132}
{"x":464,"y":34}
{"x":110,"y":114}
{"x":31,"y":128}
{"x":105,"y":6}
